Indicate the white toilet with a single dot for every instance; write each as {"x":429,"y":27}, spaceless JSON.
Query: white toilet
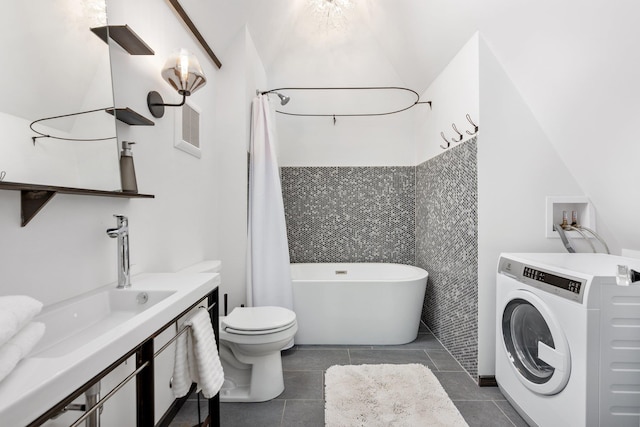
{"x":251,"y":339}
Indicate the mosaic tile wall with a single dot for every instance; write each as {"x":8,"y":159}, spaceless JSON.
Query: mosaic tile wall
{"x":447,"y":247}
{"x":350,"y":214}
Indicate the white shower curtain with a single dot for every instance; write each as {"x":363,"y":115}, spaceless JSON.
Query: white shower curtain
{"x":269,"y":272}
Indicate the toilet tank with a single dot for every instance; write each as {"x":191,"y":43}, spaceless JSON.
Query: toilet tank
{"x":207,"y":266}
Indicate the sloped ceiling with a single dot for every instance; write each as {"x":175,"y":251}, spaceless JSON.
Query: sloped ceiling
{"x":575,"y":63}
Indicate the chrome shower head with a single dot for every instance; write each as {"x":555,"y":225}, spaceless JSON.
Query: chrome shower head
{"x":283,"y":99}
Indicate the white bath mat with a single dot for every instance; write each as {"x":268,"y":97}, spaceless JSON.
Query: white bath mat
{"x":387,"y":395}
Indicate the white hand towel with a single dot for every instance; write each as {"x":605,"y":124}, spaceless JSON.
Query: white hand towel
{"x":19,"y":346}
{"x":181,"y":379}
{"x":15,"y":312}
{"x":197,"y":358}
{"x":206,"y":369}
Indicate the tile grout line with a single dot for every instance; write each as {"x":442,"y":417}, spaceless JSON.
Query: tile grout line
{"x":504,"y":413}
{"x":475,"y":380}
{"x":432,"y":361}
{"x":284,"y":408}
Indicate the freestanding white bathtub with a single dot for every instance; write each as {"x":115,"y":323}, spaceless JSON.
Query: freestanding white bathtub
{"x":357,"y":303}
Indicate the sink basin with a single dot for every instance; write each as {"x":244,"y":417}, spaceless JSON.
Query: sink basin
{"x":88,"y":333}
{"x":79,"y":321}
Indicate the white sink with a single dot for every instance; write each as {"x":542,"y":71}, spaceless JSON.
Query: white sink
{"x":79,"y":321}
{"x":88,"y":333}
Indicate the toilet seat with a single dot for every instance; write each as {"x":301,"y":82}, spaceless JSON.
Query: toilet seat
{"x":258,"y":320}
{"x":262,"y":332}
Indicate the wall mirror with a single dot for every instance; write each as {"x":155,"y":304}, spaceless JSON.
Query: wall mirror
{"x":53,"y":65}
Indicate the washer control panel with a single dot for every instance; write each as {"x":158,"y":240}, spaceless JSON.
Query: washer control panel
{"x":563,"y":285}
{"x":570,"y":285}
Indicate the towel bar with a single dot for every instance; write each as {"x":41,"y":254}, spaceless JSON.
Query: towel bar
{"x":109,"y":395}
{"x":102,"y":401}
{"x":182,"y":331}
{"x":210,"y":307}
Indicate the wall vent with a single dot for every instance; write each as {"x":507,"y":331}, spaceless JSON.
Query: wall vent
{"x":187,"y":136}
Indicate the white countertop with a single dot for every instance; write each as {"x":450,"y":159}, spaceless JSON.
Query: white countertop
{"x":39,"y":383}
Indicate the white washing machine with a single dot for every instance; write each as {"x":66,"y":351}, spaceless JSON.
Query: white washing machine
{"x":568,"y":339}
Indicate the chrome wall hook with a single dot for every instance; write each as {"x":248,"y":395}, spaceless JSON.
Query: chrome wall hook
{"x":453,"y":125}
{"x":445,"y":140}
{"x":475,"y":126}
{"x":460,"y":135}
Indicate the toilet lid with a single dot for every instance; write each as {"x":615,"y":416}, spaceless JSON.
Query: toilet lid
{"x":258,"y":319}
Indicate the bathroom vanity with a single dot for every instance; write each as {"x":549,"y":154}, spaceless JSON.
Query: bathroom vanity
{"x":90,"y":336}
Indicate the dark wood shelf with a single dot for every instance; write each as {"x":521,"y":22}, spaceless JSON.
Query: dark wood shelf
{"x":130,"y":117}
{"x":125,"y":37}
{"x":33,"y":197}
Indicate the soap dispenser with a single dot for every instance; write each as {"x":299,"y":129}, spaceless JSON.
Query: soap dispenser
{"x":127,"y":170}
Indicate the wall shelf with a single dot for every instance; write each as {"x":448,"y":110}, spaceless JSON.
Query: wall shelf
{"x":125,"y":37}
{"x":33,"y":197}
{"x":130,"y":117}
{"x":132,"y":43}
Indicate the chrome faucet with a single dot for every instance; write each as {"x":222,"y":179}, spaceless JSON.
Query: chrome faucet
{"x":122,"y":234}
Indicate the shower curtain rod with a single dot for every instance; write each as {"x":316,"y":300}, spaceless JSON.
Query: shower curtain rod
{"x":386,"y":113}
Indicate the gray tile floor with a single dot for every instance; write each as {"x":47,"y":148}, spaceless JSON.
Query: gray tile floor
{"x":302,"y":402}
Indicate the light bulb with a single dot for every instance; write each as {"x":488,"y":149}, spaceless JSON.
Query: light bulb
{"x":184,"y":66}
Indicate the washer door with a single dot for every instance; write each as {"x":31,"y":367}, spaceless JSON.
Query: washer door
{"x":535,"y":343}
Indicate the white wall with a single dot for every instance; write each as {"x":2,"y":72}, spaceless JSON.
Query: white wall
{"x":316,"y":58}
{"x":174,"y":227}
{"x":28,"y":96}
{"x":357,"y":141}
{"x":84,"y":164}
{"x":403,"y":139}
{"x":575,"y":65}
{"x":518,"y":167}
{"x":49,"y":161}
{"x":454,"y":94}
{"x":242,"y":73}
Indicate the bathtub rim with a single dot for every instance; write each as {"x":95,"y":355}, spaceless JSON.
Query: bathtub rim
{"x":422,"y":273}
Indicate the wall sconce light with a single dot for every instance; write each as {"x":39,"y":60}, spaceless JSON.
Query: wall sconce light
{"x":183,"y":72}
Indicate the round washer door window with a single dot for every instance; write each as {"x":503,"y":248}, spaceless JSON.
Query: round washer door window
{"x":535,"y":344}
